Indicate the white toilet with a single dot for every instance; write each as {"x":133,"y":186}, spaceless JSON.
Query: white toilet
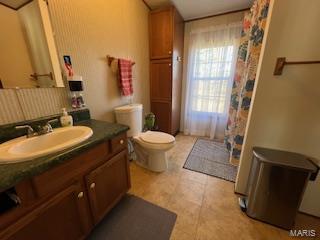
{"x":151,"y":146}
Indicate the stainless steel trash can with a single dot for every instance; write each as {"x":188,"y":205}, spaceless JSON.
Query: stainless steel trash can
{"x":276,"y":185}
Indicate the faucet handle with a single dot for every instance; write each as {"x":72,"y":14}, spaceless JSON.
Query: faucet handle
{"x":52,"y":121}
{"x":30,"y":131}
{"x":47,"y":128}
{"x":24,"y":126}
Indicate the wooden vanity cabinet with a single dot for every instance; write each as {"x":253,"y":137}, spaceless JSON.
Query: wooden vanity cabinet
{"x":67,"y":201}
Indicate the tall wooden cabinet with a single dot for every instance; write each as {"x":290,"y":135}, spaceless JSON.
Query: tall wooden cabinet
{"x":166,"y":30}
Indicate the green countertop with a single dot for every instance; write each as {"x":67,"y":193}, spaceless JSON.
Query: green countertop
{"x":11,"y":174}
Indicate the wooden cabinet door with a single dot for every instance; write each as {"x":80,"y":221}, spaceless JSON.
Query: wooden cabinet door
{"x":161,"y":33}
{"x":107,"y":184}
{"x":162,"y":111}
{"x":161,"y":80}
{"x":64,"y":217}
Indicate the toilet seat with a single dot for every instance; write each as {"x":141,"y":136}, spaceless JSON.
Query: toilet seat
{"x":154,"y":137}
{"x":150,"y":140}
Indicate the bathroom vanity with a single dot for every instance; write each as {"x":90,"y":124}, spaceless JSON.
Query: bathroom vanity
{"x":64,"y":195}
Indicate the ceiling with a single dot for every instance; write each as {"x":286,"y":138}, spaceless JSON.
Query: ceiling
{"x":14,"y":4}
{"x":190,"y":9}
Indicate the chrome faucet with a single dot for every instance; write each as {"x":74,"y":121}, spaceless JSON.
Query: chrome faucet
{"x":47,"y":128}
{"x":30,"y":131}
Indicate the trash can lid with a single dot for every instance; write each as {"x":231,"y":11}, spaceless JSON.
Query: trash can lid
{"x":284,"y":158}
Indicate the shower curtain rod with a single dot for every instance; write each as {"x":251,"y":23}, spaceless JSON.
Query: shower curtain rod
{"x":281,"y":62}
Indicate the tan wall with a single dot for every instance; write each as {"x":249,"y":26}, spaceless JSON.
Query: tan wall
{"x":214,"y":21}
{"x":15,"y":64}
{"x":285,"y":111}
{"x":88,"y":31}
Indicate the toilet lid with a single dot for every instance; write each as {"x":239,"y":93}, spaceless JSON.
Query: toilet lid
{"x":157,"y":137}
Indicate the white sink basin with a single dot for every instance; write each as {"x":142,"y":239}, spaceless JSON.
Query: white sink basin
{"x":23,"y":149}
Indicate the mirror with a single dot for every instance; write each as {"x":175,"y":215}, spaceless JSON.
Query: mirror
{"x":28,"y":54}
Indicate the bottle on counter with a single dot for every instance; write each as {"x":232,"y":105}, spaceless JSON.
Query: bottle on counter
{"x":66,"y":120}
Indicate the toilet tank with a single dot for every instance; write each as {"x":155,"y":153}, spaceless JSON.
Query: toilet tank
{"x":130,"y":115}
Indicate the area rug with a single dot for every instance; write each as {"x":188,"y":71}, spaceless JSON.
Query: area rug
{"x":211,"y":158}
{"x":135,"y":219}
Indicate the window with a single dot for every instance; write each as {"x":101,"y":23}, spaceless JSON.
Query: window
{"x":212,"y":52}
{"x":211,"y":75}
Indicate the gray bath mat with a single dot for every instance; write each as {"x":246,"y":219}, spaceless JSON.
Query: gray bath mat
{"x":135,"y":219}
{"x":211,"y":158}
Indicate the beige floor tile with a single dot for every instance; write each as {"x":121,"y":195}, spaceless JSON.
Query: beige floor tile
{"x":220,"y":200}
{"x":190,"y":190}
{"x":214,"y":183}
{"x":285,"y":235}
{"x":304,"y":221}
{"x":174,"y":168}
{"x":160,"y":191}
{"x":179,"y":157}
{"x":217,"y":225}
{"x":194,"y":176}
{"x":165,"y":182}
{"x":180,"y":235}
{"x":206,"y":207}
{"x":187,"y":214}
{"x":159,"y":198}
{"x":137,"y":189}
{"x":263,"y":231}
{"x":223,"y":225}
{"x":141,"y":179}
{"x":139,"y":174}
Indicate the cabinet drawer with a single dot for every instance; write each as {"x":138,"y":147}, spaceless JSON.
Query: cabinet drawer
{"x":119,"y":143}
{"x":54,"y":179}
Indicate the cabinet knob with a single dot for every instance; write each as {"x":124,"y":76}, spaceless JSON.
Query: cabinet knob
{"x":169,"y":64}
{"x":121,"y":141}
{"x":92,"y":185}
{"x":80,"y":195}
{"x":169,"y":52}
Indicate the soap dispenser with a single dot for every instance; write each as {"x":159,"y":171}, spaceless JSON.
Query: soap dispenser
{"x":66,"y":120}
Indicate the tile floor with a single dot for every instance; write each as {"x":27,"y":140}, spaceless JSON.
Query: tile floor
{"x":206,"y":206}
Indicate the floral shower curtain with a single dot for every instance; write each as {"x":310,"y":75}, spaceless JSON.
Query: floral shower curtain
{"x":246,"y":68}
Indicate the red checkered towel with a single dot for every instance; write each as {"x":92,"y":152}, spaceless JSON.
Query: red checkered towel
{"x":125,"y":77}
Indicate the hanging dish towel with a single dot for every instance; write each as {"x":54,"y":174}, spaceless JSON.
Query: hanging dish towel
{"x":125,"y":77}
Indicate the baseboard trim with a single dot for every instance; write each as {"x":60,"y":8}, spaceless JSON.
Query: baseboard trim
{"x":308,"y":214}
